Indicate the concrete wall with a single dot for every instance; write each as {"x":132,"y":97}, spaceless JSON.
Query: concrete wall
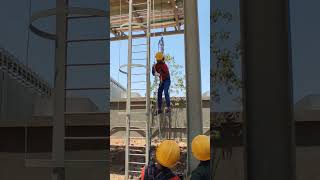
{"x":177,"y":119}
{"x":12,"y":167}
{"x":16,"y":101}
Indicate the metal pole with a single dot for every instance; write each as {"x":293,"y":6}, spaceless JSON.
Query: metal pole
{"x":4,"y":99}
{"x":59,"y":93}
{"x":193,"y":77}
{"x":269,"y":124}
{"x":148,"y":143}
{"x":128,"y":92}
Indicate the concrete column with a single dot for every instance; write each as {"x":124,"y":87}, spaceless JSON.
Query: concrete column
{"x":59,"y":91}
{"x":193,"y":77}
{"x":269,"y":124}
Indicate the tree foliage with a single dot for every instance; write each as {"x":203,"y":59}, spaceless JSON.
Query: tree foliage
{"x":224,"y":73}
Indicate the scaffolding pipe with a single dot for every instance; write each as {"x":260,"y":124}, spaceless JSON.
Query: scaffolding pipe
{"x":193,"y":77}
{"x":148,"y":141}
{"x":59,"y":93}
{"x":128,"y":104}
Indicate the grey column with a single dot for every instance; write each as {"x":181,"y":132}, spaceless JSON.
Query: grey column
{"x":193,"y":76}
{"x":59,"y":91}
{"x":269,"y":137}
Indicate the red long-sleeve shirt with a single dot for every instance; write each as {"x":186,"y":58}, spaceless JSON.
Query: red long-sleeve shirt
{"x":162,"y":69}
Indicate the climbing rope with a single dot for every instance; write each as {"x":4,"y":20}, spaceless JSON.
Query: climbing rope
{"x":161,"y":45}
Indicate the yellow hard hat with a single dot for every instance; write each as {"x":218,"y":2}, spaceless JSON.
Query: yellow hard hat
{"x":159,"y":56}
{"x":168,"y":153}
{"x":201,"y":147}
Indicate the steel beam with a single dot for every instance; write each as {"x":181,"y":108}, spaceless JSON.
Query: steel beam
{"x":269,"y":124}
{"x":193,"y":77}
{"x":168,"y":33}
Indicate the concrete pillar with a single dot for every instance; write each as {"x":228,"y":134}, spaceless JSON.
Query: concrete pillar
{"x":193,"y":76}
{"x":269,"y":124}
{"x":59,"y":91}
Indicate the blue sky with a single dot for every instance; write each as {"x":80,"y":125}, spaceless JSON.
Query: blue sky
{"x":174,"y":45}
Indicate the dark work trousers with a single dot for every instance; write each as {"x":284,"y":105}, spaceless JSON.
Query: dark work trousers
{"x":164,"y":86}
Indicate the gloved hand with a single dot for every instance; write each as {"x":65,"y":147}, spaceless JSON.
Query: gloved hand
{"x":157,"y":74}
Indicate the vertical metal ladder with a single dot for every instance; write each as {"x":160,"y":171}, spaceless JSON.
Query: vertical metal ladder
{"x":58,"y":161}
{"x":102,"y":64}
{"x":137,"y":156}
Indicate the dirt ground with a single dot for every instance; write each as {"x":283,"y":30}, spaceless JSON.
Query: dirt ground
{"x":117,"y":153}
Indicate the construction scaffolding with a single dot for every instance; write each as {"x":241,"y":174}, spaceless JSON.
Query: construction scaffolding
{"x":168,"y":16}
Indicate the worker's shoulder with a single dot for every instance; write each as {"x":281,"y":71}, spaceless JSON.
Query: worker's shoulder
{"x":196,"y":175}
{"x":201,"y":172}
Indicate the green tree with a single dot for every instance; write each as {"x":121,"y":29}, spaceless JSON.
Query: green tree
{"x":224,"y":73}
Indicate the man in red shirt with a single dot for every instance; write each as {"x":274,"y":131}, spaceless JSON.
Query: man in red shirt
{"x":162,"y":71}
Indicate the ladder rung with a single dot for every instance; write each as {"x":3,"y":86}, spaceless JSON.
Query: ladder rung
{"x":139,"y":59}
{"x":139,"y":45}
{"x":137,"y":129}
{"x":139,"y":4}
{"x":137,"y":89}
{"x":137,"y":154}
{"x":137,"y":105}
{"x":140,"y":163}
{"x":87,"y":40}
{"x":86,"y":138}
{"x":138,"y":74}
{"x":138,"y":81}
{"x":137,"y":146}
{"x":139,"y":52}
{"x":137,"y":137}
{"x":140,"y":10}
{"x":137,"y":122}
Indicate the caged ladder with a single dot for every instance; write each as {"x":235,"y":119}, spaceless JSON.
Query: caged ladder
{"x":58,"y":162}
{"x":138,"y":81}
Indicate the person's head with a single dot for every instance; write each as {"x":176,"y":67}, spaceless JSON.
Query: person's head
{"x":159,"y":57}
{"x":167,"y":154}
{"x":201,"y":147}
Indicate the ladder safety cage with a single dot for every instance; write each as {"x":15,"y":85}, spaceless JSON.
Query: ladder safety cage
{"x":72,"y":13}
